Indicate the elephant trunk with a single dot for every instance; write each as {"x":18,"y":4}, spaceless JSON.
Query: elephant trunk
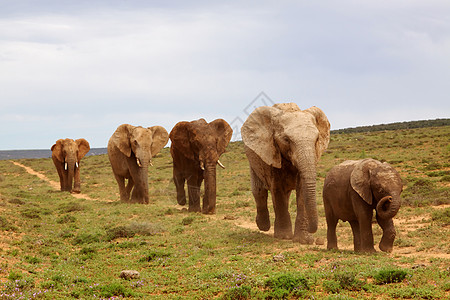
{"x":209,"y":200}
{"x":69,"y":166}
{"x":306,"y":188}
{"x":388,"y":207}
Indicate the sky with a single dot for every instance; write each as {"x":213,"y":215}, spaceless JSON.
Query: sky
{"x":72,"y":69}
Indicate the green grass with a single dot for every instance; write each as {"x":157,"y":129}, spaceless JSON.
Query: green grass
{"x":55,"y":246}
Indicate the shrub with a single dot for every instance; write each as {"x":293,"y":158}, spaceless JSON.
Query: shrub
{"x":70,"y":207}
{"x":31,"y":213}
{"x":87,"y":238}
{"x":442,"y":216}
{"x":285,"y":286}
{"x":155,"y":254}
{"x":331,"y":286}
{"x":4,"y":225}
{"x":119,"y":232}
{"x":386,"y":276}
{"x":66,"y":219}
{"x":115,"y":289}
{"x":348,"y":281}
{"x":187,"y":220}
{"x":238,"y":293}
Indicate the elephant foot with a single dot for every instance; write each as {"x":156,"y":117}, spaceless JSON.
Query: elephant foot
{"x":181,"y":201}
{"x":385,"y":248}
{"x":194,"y":209}
{"x":283,"y":234}
{"x":303,"y":238}
{"x":366,"y":250}
{"x":263,"y":222}
{"x":75,"y":192}
{"x":209,"y":211}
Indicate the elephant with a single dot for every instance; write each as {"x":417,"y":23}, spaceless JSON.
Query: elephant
{"x":130,"y":151}
{"x":352,"y":190}
{"x":196,"y":147}
{"x":66,"y":155}
{"x":283,"y":145}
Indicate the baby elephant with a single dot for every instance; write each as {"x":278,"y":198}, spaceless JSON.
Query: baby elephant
{"x":352,"y":190}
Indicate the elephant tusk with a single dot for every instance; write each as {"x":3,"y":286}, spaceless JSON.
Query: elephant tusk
{"x":151,"y":163}
{"x":76,"y":164}
{"x":138,"y":162}
{"x":220,"y":164}
{"x":202,"y":165}
{"x":65,"y":166}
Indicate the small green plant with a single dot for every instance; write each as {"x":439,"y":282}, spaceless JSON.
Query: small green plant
{"x":348,"y":281}
{"x":155,"y":254}
{"x":331,"y":286}
{"x":5,"y":225}
{"x":115,"y":289}
{"x":13,"y":276}
{"x":285,"y":286}
{"x":71,"y":207}
{"x":188,"y":220}
{"x":390,"y":275}
{"x":66,"y":219}
{"x":442,"y":216}
{"x":119,"y":232}
{"x":238,"y":293}
{"x":32,"y":259}
{"x":31,"y":213}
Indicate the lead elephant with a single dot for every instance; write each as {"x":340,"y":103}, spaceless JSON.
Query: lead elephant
{"x":66,"y":155}
{"x":196,"y":148}
{"x":130,"y":150}
{"x":283,"y":145}
{"x":352,"y":190}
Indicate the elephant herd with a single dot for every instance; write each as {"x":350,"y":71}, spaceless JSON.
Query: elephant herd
{"x":283,"y":145}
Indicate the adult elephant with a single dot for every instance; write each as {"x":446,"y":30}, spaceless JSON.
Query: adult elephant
{"x":196,"y":148}
{"x":352,"y":190}
{"x":283,"y":145}
{"x":66,"y":155}
{"x":130,"y":150}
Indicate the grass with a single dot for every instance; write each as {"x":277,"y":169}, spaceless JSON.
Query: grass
{"x":55,"y":246}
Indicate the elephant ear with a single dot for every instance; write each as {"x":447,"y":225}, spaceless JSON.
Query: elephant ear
{"x":83,"y":148}
{"x":160,"y":137}
{"x":323,"y":126}
{"x":179,"y":136}
{"x":360,"y":179}
{"x":257,"y":134}
{"x":121,"y":138}
{"x":57,"y":150}
{"x":224,"y":133}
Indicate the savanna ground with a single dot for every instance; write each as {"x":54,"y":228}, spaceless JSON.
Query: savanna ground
{"x":53,"y":245}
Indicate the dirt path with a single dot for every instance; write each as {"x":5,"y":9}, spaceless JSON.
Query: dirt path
{"x":55,"y":185}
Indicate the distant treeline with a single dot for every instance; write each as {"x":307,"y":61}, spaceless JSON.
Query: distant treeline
{"x":395,"y":126}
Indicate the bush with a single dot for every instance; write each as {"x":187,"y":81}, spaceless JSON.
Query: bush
{"x":238,"y":293}
{"x":386,"y":276}
{"x":119,"y":232}
{"x":66,"y":219}
{"x":187,"y":220}
{"x":71,"y":207}
{"x":4,"y":225}
{"x":442,"y":216}
{"x":286,"y":286}
{"x":348,"y":281}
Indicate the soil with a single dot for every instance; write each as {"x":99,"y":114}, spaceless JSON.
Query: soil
{"x":55,"y":185}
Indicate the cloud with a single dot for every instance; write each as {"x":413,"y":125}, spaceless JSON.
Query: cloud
{"x":106,"y":62}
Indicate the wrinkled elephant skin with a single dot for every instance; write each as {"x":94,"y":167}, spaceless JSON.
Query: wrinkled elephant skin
{"x":352,"y":190}
{"x":283,"y":145}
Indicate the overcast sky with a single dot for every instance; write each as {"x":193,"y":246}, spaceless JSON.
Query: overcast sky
{"x":81,"y":68}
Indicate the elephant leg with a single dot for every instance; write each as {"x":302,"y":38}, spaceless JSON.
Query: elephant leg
{"x":331,"y":232}
{"x":179,"y":181}
{"x":60,"y":169}
{"x":260,"y":194}
{"x":387,"y":240}
{"x":301,"y":234}
{"x":77,"y":182}
{"x":365,"y":229}
{"x":356,"y":236}
{"x":124,"y":194}
{"x":283,"y":224}
{"x":194,"y":183}
{"x":129,"y":187}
